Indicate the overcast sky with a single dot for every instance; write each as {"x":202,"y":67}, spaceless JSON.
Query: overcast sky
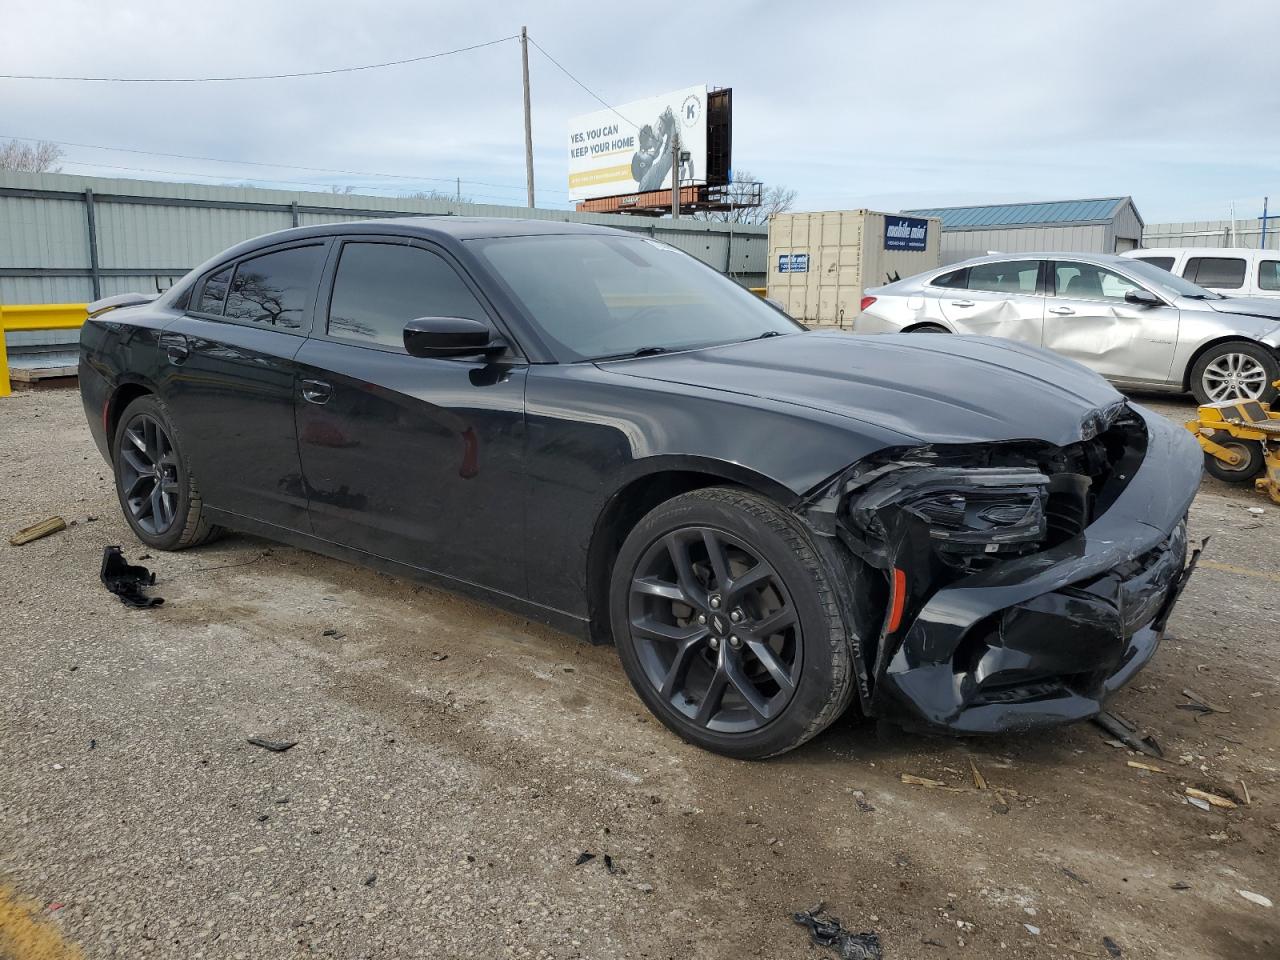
{"x":879,"y":104}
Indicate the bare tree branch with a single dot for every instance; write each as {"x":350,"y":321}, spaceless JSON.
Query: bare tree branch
{"x":40,"y":158}
{"x":773,"y":199}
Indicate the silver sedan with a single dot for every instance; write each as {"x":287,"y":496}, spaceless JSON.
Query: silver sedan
{"x":1137,"y":325}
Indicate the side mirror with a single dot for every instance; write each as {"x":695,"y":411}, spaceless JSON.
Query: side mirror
{"x":776,"y":304}
{"x":449,"y":337}
{"x":1142,"y":298}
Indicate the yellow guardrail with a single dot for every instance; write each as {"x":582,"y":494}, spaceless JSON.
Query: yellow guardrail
{"x":37,"y":316}
{"x":759,"y":291}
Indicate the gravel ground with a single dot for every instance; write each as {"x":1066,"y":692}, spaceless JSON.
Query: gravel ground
{"x":453,"y":763}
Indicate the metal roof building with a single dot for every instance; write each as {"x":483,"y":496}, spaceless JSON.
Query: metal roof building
{"x":1102,"y":225}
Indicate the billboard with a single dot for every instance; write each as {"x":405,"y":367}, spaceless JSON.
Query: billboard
{"x":628,"y":150}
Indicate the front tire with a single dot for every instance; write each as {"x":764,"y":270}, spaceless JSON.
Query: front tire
{"x":1237,"y":370}
{"x":157,"y":491}
{"x":727,"y":623}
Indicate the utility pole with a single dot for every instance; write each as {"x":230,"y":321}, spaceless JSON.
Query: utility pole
{"x":528,"y":122}
{"x":675,"y":177}
{"x":458,"y":195}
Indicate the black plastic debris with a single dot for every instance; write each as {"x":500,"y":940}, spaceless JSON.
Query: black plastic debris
{"x":584,"y":857}
{"x":828,"y":933}
{"x":370,"y":880}
{"x":1128,"y":734}
{"x":1073,"y":875}
{"x":126,"y":580}
{"x":1113,"y":948}
{"x":608,"y":864}
{"x":275,"y":746}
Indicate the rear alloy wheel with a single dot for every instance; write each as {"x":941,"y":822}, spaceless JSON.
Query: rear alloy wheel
{"x":157,"y":492}
{"x":727,"y":626}
{"x":1235,"y":371}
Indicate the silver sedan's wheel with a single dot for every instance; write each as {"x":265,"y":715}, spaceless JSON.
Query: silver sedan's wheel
{"x":1234,"y":376}
{"x":1235,"y":370}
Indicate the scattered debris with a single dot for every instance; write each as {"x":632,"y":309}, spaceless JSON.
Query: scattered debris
{"x":126,"y":580}
{"x":1244,"y":794}
{"x":1032,"y":929}
{"x":439,"y":656}
{"x":645,"y":888}
{"x":860,"y":801}
{"x":608,"y":864}
{"x":1200,"y":703}
{"x":828,"y":933}
{"x":369,"y":880}
{"x":584,"y":857}
{"x":1179,"y":885}
{"x":979,"y":780}
{"x":1001,"y":805}
{"x":1113,"y":948}
{"x":1138,"y":764}
{"x":1128,"y":734}
{"x":1074,"y":876}
{"x":264,"y":817}
{"x":37,"y":530}
{"x":275,"y":746}
{"x":930,"y":942}
{"x":1197,"y":802}
{"x":1212,"y":798}
{"x":336,"y":634}
{"x":926,"y":782}
{"x":1257,"y":511}
{"x":1257,"y":898}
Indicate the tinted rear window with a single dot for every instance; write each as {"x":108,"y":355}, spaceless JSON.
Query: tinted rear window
{"x":1221,"y":273}
{"x":1269,"y":275}
{"x":1164,"y":263}
{"x":1013,"y":276}
{"x":274,"y":290}
{"x":380,"y":287}
{"x":956,"y":279}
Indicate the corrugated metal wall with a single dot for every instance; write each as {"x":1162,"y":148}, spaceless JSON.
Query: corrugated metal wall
{"x":1212,"y":233}
{"x":145,"y":240}
{"x":962,"y":244}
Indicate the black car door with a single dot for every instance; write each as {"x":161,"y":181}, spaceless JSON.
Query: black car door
{"x":411,"y":459}
{"x":229,"y":380}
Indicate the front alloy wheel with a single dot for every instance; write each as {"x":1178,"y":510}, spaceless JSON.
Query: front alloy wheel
{"x":715,"y":630}
{"x":1235,"y":370}
{"x":726,"y":619}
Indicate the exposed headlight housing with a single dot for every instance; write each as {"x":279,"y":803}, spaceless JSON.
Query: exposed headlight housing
{"x":971,"y":516}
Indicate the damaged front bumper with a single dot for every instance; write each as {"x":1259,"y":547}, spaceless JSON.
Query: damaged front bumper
{"x":1025,"y":637}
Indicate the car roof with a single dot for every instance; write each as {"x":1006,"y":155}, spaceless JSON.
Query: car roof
{"x":1039,"y":255}
{"x":447,"y":230}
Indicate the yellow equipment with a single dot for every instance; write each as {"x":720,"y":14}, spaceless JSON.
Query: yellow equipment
{"x":1241,"y":441}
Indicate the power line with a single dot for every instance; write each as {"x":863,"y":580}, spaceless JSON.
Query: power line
{"x":276,"y":166}
{"x":563,"y":70}
{"x":265,"y":76}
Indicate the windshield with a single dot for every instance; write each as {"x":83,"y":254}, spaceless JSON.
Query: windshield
{"x":1170,"y":283}
{"x":596,"y":296}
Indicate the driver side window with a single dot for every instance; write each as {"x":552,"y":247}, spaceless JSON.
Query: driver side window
{"x":1085,"y":281}
{"x":380,"y":287}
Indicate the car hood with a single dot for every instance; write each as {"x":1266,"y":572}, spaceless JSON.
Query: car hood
{"x":1246,"y":307}
{"x":931,"y":387}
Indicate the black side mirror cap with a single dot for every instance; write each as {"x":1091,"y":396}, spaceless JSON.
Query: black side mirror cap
{"x":1143,"y":298}
{"x":450,"y":337}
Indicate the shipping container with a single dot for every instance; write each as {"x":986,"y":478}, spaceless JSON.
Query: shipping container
{"x":820,"y":263}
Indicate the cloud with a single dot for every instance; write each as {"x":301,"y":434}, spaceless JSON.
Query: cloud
{"x":870,"y":103}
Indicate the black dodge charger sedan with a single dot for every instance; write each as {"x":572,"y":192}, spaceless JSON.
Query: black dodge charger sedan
{"x":597,"y":431}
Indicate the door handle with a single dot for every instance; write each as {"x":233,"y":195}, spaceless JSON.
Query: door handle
{"x":962,"y":303}
{"x":316,"y":391}
{"x":1062,"y":311}
{"x":175,"y":346}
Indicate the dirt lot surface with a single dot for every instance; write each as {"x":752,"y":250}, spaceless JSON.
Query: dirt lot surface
{"x":452,"y":763}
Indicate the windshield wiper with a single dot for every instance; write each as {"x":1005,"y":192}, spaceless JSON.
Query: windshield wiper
{"x":633,"y":354}
{"x":767,"y":334}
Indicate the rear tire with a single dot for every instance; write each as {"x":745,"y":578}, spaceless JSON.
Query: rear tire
{"x":770,"y":666}
{"x":1251,"y":464}
{"x":1236,"y":370}
{"x":158,"y":492}
{"x":929,"y":328}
